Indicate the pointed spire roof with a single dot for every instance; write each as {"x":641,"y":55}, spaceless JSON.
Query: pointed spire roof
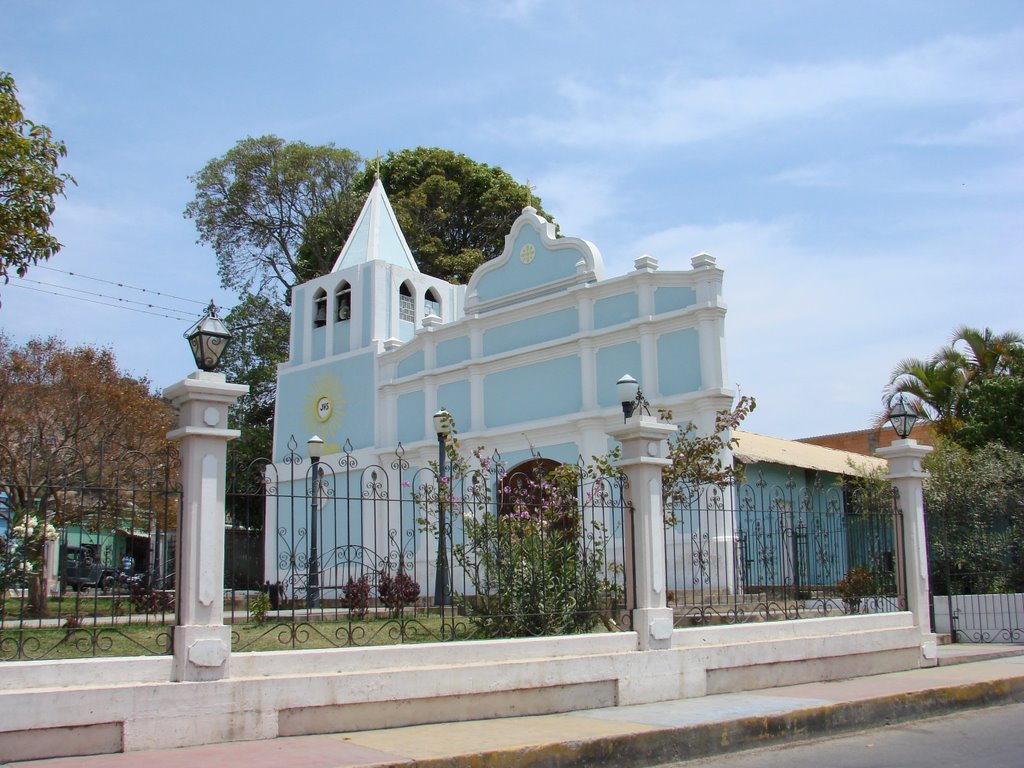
{"x":376,"y":235}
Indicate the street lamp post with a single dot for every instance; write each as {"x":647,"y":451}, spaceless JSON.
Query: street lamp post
{"x":201,"y":641}
{"x":442,"y":593}
{"x":316,"y":449}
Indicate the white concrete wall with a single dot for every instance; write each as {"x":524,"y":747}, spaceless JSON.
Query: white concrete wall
{"x":108,"y":705}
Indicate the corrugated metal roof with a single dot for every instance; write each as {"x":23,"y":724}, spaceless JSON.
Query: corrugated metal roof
{"x":751,"y":448}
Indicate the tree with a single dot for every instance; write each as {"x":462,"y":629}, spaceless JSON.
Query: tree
{"x":29,"y":184}
{"x":454,"y":211}
{"x":984,"y":353}
{"x":69,"y":419}
{"x":934,"y":385}
{"x":975,"y":502}
{"x":260,"y":326}
{"x":967,"y":380}
{"x":993,"y":406}
{"x":697,"y":458}
{"x":254,"y":206}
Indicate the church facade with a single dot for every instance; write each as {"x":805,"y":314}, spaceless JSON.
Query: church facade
{"x":524,"y":357}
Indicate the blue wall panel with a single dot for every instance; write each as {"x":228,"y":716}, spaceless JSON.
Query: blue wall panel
{"x":342,"y":342}
{"x":319,"y":343}
{"x":452,"y":351}
{"x":670,"y":299}
{"x":411,"y":364}
{"x":537,"y":391}
{"x":612,"y":363}
{"x":678,"y":362}
{"x":299,"y":320}
{"x":615,"y":310}
{"x":454,"y":398}
{"x":533,"y":330}
{"x":367,"y":308}
{"x":411,"y":417}
{"x":513,"y":276}
{"x":348,"y":384}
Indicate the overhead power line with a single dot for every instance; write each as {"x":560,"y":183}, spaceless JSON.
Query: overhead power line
{"x":180,"y":318}
{"x":103,"y":296}
{"x":121,"y":285}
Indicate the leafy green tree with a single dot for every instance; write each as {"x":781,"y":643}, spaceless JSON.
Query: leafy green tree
{"x":993,"y":407}
{"x":254,"y":204}
{"x":260,"y":326}
{"x":975,"y":503}
{"x":454,"y":211}
{"x":983,"y":353}
{"x":949,"y":388}
{"x":67,"y":416}
{"x":325,"y":235}
{"x":697,"y":458}
{"x":29,"y":185}
{"x":934,"y":387}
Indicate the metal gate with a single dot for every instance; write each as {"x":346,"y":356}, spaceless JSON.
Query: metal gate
{"x":976,"y":577}
{"x":392,"y":553}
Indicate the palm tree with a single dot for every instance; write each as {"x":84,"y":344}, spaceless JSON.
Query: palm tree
{"x":934,"y":386}
{"x":986,"y":354}
{"x":937,"y":386}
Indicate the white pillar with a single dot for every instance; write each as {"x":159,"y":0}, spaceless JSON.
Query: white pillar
{"x":644,"y":450}
{"x":202,"y":644}
{"x":906,"y":474}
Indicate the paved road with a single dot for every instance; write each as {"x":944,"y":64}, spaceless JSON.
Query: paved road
{"x":984,"y":738}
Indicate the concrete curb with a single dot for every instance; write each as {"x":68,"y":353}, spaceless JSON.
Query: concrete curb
{"x":691,"y":742}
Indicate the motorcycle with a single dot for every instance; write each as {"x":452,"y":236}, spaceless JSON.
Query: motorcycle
{"x":123,"y":581}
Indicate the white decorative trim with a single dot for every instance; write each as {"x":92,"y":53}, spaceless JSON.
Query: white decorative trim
{"x":590,"y":268}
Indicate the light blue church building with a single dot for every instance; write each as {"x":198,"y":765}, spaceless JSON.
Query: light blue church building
{"x":525,"y":356}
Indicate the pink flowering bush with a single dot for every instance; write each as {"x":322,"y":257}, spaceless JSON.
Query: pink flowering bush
{"x":532,"y":549}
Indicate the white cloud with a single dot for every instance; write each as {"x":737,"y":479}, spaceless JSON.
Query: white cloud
{"x":814,"y":328}
{"x":679,"y":109}
{"x":812,"y":176}
{"x":992,"y":129}
{"x":510,"y":10}
{"x":578,"y":196}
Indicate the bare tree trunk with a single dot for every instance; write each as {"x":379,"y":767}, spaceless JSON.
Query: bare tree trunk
{"x":38,"y":586}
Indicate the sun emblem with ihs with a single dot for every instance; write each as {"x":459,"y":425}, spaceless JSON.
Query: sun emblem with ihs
{"x":325,"y":410}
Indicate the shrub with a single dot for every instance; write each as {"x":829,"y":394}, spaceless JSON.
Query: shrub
{"x":259,"y":607}
{"x":529,"y":582}
{"x":357,"y":596}
{"x":398,"y":591}
{"x":858,"y":583}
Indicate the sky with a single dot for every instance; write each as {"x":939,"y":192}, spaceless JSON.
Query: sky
{"x":857,"y":169}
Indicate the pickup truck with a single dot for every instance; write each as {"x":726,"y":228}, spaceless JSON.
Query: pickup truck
{"x":82,"y":568}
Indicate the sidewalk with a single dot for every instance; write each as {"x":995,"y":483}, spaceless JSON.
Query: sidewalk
{"x":645,"y":735}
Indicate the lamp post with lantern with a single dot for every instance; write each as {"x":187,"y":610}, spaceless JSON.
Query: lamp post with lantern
{"x":202,"y":643}
{"x":907,"y":475}
{"x":442,"y":592}
{"x":316,"y":450}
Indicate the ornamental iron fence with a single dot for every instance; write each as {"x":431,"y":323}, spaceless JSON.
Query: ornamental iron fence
{"x":765,"y":551}
{"x":976,"y":564}
{"x":390,"y":553}
{"x":87,"y":542}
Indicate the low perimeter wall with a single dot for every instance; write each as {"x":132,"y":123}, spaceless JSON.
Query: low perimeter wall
{"x":98,"y":706}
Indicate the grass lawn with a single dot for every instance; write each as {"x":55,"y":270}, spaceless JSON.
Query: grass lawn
{"x":142,"y":639}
